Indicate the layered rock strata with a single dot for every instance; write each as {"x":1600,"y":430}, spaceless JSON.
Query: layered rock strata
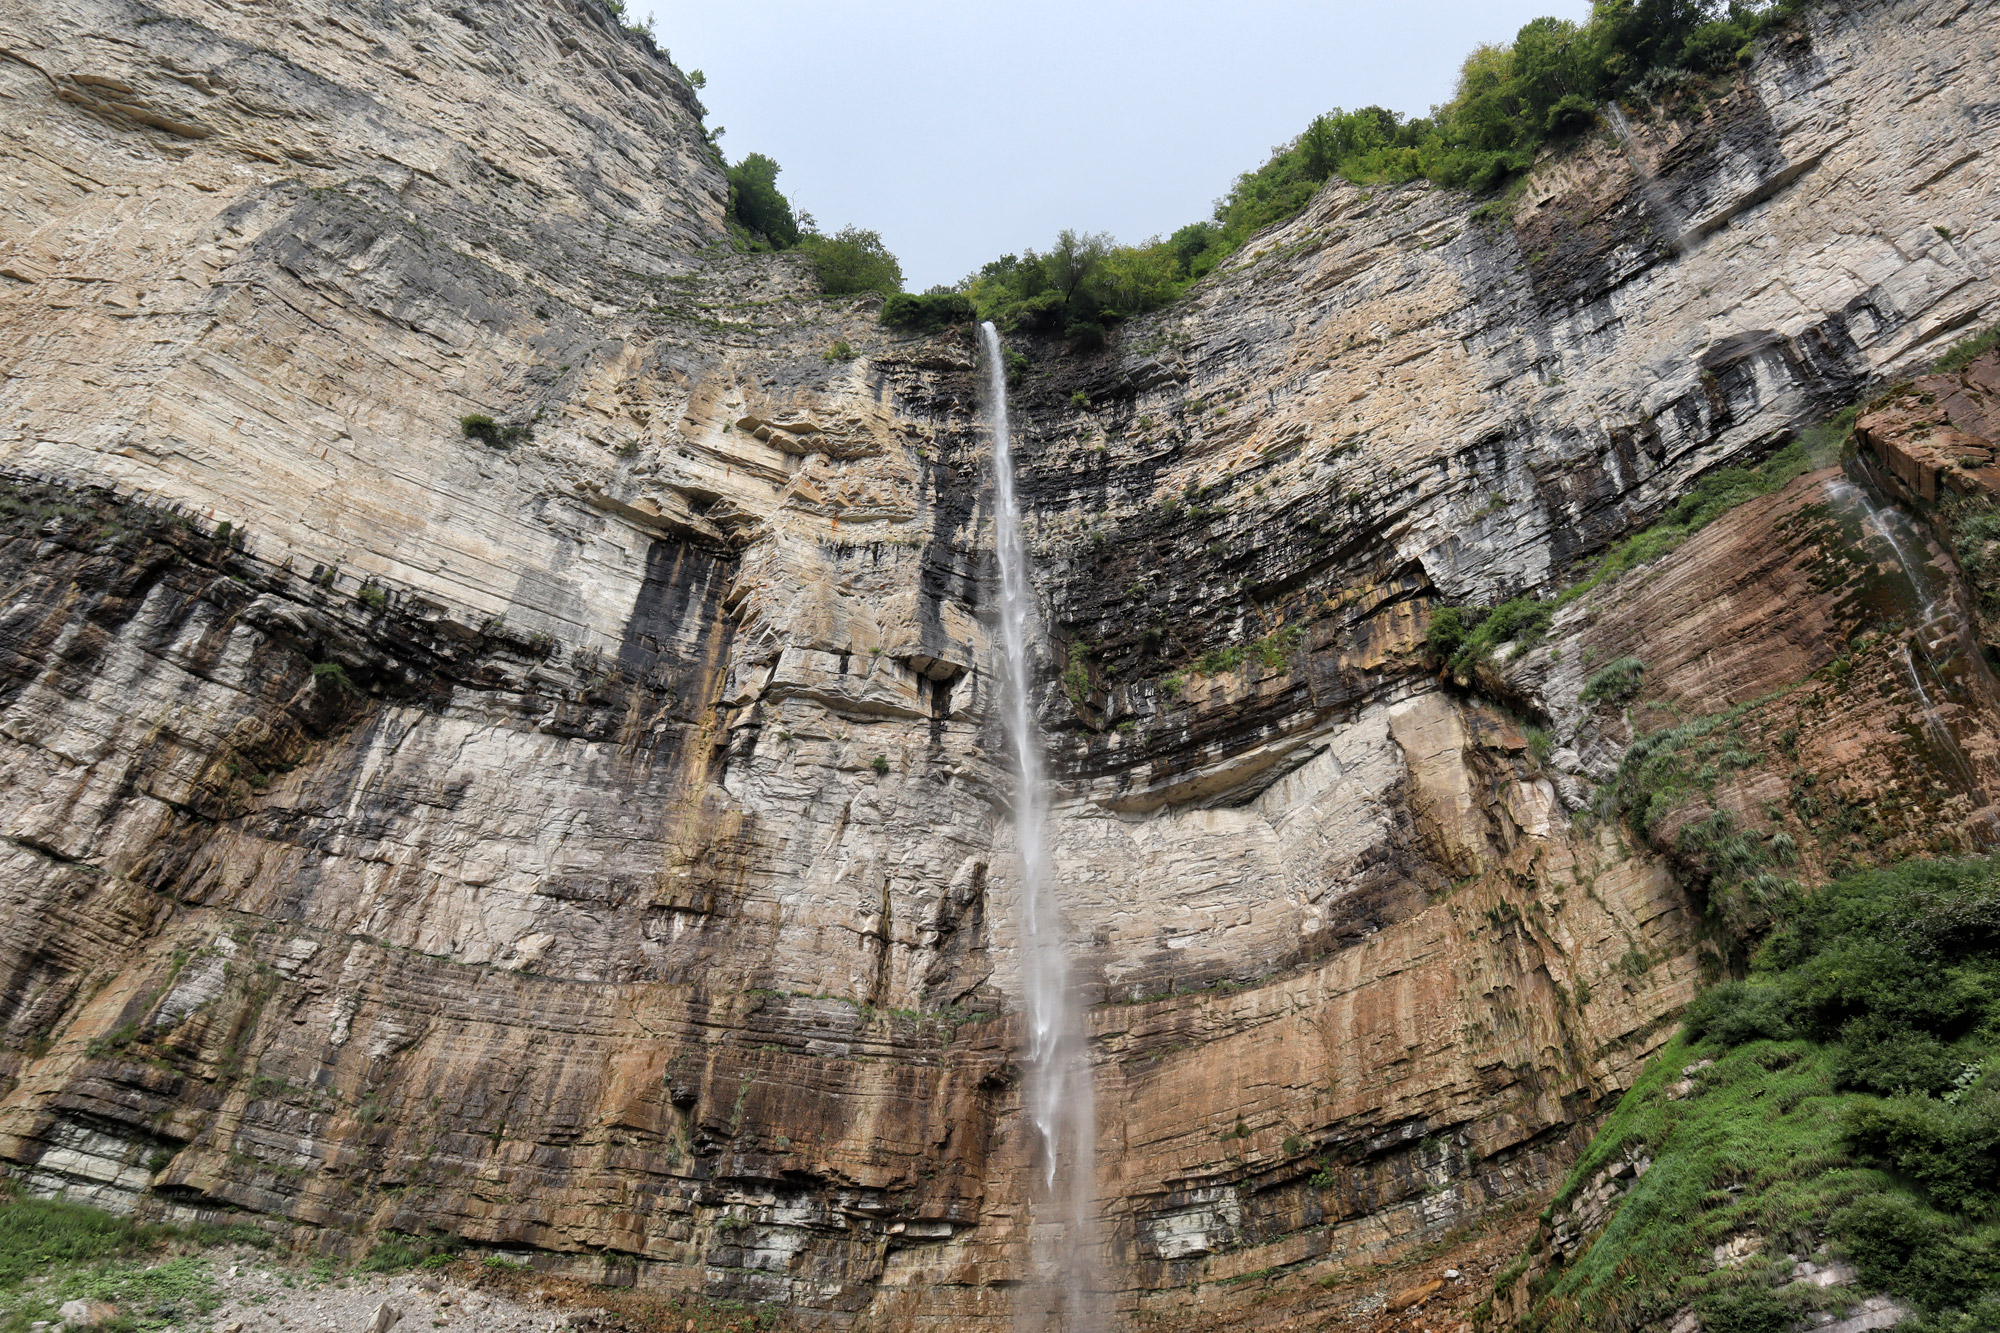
{"x":590,"y":840}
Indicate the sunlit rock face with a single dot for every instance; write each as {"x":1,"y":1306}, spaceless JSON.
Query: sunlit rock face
{"x":593,"y":842}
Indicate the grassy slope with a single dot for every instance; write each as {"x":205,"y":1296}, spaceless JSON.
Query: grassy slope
{"x":1848,"y":1115}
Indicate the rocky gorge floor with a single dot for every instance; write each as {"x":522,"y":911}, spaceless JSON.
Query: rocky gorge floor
{"x":247,"y":1290}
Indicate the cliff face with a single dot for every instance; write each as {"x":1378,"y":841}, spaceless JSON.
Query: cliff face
{"x":592,"y":845}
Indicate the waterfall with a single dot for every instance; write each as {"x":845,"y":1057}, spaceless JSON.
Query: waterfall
{"x":1658,"y":201}
{"x":1060,"y":1101}
{"x":1922,"y":582}
{"x":1953,"y":638}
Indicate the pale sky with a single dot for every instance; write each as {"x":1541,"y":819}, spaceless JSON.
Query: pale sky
{"x":965,"y":131}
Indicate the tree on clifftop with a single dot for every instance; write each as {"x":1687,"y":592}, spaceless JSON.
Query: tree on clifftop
{"x":756,"y":205}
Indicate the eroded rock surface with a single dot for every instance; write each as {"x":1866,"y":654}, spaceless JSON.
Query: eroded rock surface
{"x":596,"y":845}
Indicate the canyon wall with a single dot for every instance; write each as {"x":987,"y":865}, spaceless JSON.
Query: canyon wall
{"x":588,"y":840}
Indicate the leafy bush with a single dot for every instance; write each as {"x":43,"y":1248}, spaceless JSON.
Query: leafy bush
{"x":1740,"y":1011}
{"x":1897,"y":1244}
{"x":493,"y":434}
{"x":853,"y":260}
{"x":1460,"y":637}
{"x":1451,"y":628}
{"x":922,"y":313}
{"x":1883,"y":1056}
{"x":1951,"y":1149}
{"x":1066,"y":290}
{"x":756,"y":205}
{"x":841,"y":350}
{"x":1783,"y":1137}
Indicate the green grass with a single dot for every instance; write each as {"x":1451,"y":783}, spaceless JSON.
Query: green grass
{"x":37,"y":1235}
{"x":1273,"y":651}
{"x":1615,"y":683}
{"x":1848,"y":1114}
{"x":1963,"y":352}
{"x":51,"y":1252}
{"x":1661,"y":769}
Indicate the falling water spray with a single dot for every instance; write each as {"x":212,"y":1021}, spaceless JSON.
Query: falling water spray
{"x":1060,"y":1100}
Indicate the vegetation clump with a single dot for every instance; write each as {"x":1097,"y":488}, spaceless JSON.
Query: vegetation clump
{"x":493,"y":434}
{"x":852,"y":261}
{"x":395,"y":1252}
{"x":1964,"y":352}
{"x":1616,"y":683}
{"x":53,"y":1251}
{"x":756,"y":207}
{"x":849,"y":262}
{"x":928,"y":311}
{"x":1835,"y":1104}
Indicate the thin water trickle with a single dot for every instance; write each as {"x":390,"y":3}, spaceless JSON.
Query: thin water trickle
{"x":1658,"y":201}
{"x":1061,"y":1100}
{"x":1923,"y":587}
{"x":1920,"y":580}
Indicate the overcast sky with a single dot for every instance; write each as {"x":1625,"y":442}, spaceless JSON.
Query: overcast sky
{"x":963,"y":131}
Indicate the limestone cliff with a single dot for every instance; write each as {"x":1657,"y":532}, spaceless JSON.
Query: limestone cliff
{"x":592,"y":843}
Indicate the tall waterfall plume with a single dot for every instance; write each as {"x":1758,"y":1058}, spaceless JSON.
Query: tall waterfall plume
{"x":1060,"y":1099}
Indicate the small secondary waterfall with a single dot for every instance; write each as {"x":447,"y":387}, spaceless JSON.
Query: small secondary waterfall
{"x":1060,"y":1100}
{"x":1937,"y":637}
{"x":1657,"y":200}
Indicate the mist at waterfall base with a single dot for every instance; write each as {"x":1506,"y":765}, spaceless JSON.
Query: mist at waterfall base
{"x":1060,"y":1100}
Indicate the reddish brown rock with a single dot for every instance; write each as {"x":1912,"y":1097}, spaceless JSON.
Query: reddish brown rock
{"x":1937,"y":435}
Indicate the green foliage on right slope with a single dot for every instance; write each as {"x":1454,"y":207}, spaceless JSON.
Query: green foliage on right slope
{"x":1850,"y":1114}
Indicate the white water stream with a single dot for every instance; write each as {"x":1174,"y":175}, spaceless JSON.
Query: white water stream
{"x":1932,"y":634}
{"x":1658,"y":201}
{"x":1060,"y":1100}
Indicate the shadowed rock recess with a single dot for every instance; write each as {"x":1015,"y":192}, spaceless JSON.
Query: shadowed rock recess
{"x":591,"y":844}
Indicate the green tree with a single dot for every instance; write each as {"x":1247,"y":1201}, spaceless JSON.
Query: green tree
{"x":1635,"y":37}
{"x":1075,"y":258}
{"x":757,"y":206}
{"x":1551,"y":80}
{"x":854,"y":260}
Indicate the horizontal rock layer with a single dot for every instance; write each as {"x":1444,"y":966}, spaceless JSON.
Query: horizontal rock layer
{"x":590,"y":840}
